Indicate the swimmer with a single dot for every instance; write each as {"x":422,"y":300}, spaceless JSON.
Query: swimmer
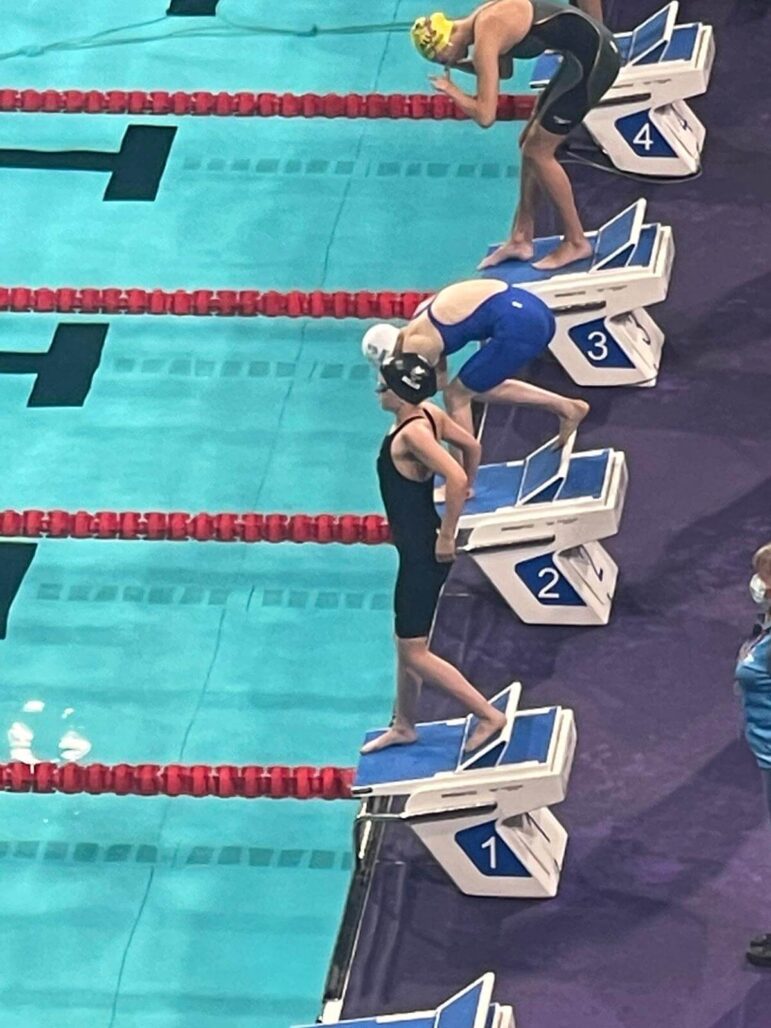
{"x":499,"y":31}
{"x":410,"y":456}
{"x":517,"y":325}
{"x":591,"y":7}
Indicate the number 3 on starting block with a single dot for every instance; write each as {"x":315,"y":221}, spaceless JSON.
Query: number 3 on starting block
{"x":596,"y":342}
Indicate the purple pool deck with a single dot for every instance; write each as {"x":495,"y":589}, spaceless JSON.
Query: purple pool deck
{"x":668,"y":871}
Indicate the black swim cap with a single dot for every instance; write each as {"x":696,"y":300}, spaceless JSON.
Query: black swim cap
{"x":410,"y":376}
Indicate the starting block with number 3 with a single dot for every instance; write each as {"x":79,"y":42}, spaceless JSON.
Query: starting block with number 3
{"x":605,"y":335}
{"x":533,"y":527}
{"x":483,"y":815}
{"x":643,"y":123}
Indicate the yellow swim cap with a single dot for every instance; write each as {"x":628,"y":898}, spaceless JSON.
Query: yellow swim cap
{"x":431,"y":33}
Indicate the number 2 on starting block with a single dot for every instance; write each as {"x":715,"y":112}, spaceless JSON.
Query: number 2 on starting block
{"x":546,"y":583}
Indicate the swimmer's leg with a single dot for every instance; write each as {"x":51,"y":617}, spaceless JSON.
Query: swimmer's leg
{"x":519,"y":245}
{"x":541,"y":147}
{"x":418,"y":658}
{"x":570,"y":412}
{"x":402,"y":729}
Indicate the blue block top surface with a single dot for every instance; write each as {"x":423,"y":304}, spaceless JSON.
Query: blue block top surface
{"x":586,"y":476}
{"x":650,"y":35}
{"x":519,"y":272}
{"x":375,"y":1022}
{"x":682,"y":44}
{"x":461,"y":1010}
{"x":530,"y":738}
{"x":437,"y":749}
{"x":541,"y":467}
{"x":681,"y":47}
{"x":497,"y":485}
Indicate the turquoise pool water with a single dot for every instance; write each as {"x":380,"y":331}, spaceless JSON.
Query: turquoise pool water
{"x":124,"y":911}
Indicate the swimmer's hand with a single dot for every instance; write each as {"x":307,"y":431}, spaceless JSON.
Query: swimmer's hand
{"x":444,"y":84}
{"x":444,"y":550}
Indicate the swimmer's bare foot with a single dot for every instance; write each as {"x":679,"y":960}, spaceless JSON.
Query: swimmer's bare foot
{"x":565,"y":254}
{"x":519,"y":250}
{"x":396,"y":735}
{"x":575,"y":412}
{"x":484,"y":731}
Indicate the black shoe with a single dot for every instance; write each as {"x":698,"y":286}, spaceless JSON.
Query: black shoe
{"x":759,"y":952}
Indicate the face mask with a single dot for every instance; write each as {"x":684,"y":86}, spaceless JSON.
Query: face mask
{"x":758,"y":592}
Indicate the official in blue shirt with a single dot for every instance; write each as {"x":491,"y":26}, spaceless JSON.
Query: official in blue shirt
{"x":753,"y":677}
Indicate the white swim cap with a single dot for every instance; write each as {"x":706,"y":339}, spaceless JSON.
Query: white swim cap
{"x":379,"y":342}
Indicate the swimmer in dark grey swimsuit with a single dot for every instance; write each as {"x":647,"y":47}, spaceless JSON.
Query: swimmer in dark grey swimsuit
{"x":499,"y":31}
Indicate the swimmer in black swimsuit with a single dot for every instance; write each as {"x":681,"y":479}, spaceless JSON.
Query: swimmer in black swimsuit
{"x":409,"y":458}
{"x":499,"y":31}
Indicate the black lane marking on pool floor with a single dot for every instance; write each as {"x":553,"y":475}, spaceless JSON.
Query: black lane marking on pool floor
{"x":358,"y":169}
{"x":15,"y":559}
{"x":64,"y":372}
{"x":193,"y":595}
{"x":196,"y":367}
{"x":135,"y":169}
{"x":53,"y":851}
{"x":192,"y":8}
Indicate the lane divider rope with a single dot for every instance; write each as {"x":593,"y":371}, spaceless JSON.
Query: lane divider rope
{"x":178,"y":526}
{"x":225,"y":781}
{"x":203,"y":103}
{"x":244,"y":303}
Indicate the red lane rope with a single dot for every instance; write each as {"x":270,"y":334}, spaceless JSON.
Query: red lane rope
{"x":371,"y":529}
{"x":245,"y":303}
{"x":224,"y":781}
{"x":417,"y":106}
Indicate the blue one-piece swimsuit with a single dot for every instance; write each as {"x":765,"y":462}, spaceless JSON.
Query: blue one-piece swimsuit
{"x":518,"y":327}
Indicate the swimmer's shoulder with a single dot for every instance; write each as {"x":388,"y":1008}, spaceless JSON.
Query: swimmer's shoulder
{"x":515,"y":16}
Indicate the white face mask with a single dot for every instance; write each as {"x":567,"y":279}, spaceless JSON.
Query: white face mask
{"x":758,"y":590}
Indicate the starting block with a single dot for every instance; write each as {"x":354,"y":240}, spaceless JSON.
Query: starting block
{"x":533,"y":527}
{"x":605,"y":336}
{"x":643,"y":123}
{"x":472,"y":1007}
{"x":484,"y":815}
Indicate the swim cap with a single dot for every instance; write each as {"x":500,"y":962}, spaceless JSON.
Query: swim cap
{"x":378,"y":342}
{"x":431,"y":33}
{"x":410,"y":376}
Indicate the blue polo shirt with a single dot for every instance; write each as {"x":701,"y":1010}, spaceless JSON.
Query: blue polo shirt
{"x":753,"y":676}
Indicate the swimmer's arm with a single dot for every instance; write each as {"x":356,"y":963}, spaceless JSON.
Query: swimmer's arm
{"x":461,"y":440}
{"x":483,"y":107}
{"x":505,"y":66}
{"x":420,"y":440}
{"x":486,"y":57}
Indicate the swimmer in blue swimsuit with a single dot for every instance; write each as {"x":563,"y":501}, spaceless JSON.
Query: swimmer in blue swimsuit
{"x":485,"y":43}
{"x":514,"y":325}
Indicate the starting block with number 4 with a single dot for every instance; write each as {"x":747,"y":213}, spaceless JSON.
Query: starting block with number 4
{"x":483,"y":815}
{"x":605,"y":335}
{"x":643,"y":123}
{"x":533,"y":527}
